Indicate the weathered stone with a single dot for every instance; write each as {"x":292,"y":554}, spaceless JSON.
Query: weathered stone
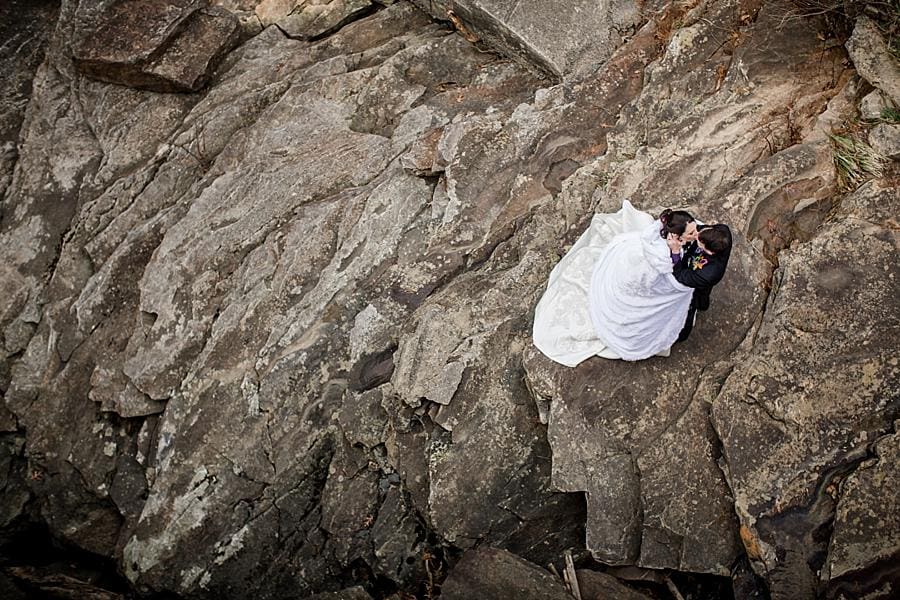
{"x":245,"y":11}
{"x":89,"y":520}
{"x":885,"y":140}
{"x":8,"y":422}
{"x":160,"y":45}
{"x":399,"y":549}
{"x":873,"y":59}
{"x":363,"y":419}
{"x":636,"y":439}
{"x":129,"y":488}
{"x":595,"y":585}
{"x":811,"y":429}
{"x":422,"y":156}
{"x":25,"y":26}
{"x":865,"y":545}
{"x":746,"y":584}
{"x":872,"y":105}
{"x":321,"y":272}
{"x":14,"y":492}
{"x":582,"y":36}
{"x":495,"y":573}
{"x":306,"y":19}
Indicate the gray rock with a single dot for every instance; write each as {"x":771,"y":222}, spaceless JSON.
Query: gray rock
{"x":871,"y":106}
{"x":494,"y":573}
{"x":568,"y":42}
{"x":595,"y":585}
{"x":305,"y":19}
{"x":294,"y":310}
{"x":7,"y":420}
{"x":25,"y":27}
{"x":786,"y":493}
{"x":885,"y":140}
{"x":873,"y":59}
{"x":159,"y":45}
{"x":865,"y":544}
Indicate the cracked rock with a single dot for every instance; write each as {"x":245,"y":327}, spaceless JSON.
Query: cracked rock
{"x":495,"y":573}
{"x":815,"y":392}
{"x":873,"y":59}
{"x":865,"y":544}
{"x":159,"y":45}
{"x":305,"y":19}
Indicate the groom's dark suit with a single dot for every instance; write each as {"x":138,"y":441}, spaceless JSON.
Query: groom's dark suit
{"x":700,"y":271}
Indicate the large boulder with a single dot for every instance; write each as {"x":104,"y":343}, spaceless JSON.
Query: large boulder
{"x":865,"y":545}
{"x":310,"y":19}
{"x":582,"y":37}
{"x":161,"y":45}
{"x":873,"y":58}
{"x":815,"y":392}
{"x":635,"y":437}
{"x":494,"y":573}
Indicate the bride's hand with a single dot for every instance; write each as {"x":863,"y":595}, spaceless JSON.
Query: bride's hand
{"x":674,"y":242}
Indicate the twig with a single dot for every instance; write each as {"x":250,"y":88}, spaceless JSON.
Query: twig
{"x":674,"y":589}
{"x":573,"y":578}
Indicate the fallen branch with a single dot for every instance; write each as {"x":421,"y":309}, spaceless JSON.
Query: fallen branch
{"x":573,"y":578}
{"x":674,"y":589}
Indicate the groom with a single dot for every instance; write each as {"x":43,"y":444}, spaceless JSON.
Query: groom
{"x":701,"y":265}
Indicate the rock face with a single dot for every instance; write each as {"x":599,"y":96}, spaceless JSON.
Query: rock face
{"x":583,"y":34}
{"x":271,"y":337}
{"x":493,"y":573}
{"x":161,"y":45}
{"x":873,"y":58}
{"x":308,"y":19}
{"x":815,"y":394}
{"x":24,"y":27}
{"x":866,"y":542}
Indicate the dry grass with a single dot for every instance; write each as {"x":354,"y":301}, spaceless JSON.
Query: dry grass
{"x":855,"y":160}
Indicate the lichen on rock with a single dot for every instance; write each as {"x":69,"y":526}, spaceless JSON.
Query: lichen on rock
{"x":268,"y":273}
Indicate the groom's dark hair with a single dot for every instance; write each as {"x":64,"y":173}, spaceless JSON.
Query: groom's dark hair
{"x":716,"y":238}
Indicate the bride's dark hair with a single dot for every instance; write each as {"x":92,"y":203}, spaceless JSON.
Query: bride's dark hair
{"x":674,"y":221}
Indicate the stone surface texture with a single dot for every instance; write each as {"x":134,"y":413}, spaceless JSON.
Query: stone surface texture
{"x":305,"y":19}
{"x":885,"y":140}
{"x":268,"y":272}
{"x":866,"y":539}
{"x":595,"y":585}
{"x":495,"y":573}
{"x":816,"y":392}
{"x":161,"y":45}
{"x":565,"y":42}
{"x":872,"y":57}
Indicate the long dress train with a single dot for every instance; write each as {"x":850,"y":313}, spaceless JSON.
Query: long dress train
{"x":613,"y":294}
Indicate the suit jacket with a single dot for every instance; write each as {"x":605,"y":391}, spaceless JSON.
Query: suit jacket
{"x":700,"y":271}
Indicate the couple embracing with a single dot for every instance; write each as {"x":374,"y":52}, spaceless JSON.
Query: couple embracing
{"x":630,"y":287}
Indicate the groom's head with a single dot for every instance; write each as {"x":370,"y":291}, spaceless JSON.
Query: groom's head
{"x":715,"y":239}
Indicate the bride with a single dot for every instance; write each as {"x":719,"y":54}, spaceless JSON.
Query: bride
{"x":613,"y":294}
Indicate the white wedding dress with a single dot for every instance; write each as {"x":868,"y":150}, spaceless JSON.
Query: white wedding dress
{"x":613,"y":294}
